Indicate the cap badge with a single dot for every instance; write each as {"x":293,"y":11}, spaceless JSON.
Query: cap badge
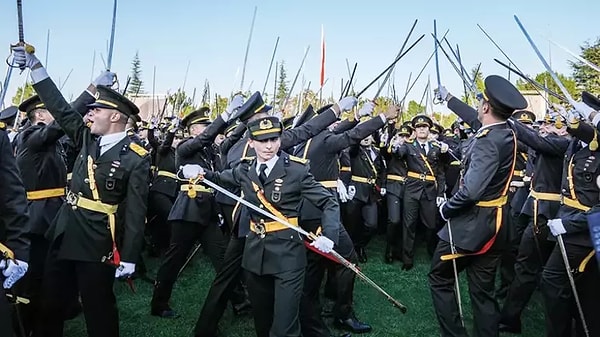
{"x":265,"y":124}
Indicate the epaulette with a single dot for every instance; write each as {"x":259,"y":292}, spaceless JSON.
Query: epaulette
{"x":138,"y":149}
{"x":482,"y":133}
{"x":298,"y":160}
{"x":2,"y":125}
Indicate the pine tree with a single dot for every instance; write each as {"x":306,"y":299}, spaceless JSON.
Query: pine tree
{"x":282,"y":87}
{"x":587,"y":78}
{"x":136,"y":86}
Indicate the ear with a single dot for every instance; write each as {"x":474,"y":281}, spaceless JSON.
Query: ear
{"x":251,"y":143}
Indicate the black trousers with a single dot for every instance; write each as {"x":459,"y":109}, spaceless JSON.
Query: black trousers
{"x":310,"y":307}
{"x":413,"y":211}
{"x":394,"y":222}
{"x":276,"y":302}
{"x":362,"y":221}
{"x":221,"y":289}
{"x":532,"y":256}
{"x":6,"y":328}
{"x":481,"y":272}
{"x":94,"y":280}
{"x":558,"y":297}
{"x":159,"y":206}
{"x":183,"y":236}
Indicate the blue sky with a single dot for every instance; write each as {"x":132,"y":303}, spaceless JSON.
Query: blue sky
{"x":212,"y":36}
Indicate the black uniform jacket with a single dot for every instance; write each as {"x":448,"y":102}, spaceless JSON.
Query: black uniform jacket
{"x":413,"y":155}
{"x":488,"y":167}
{"x":367,"y":173}
{"x":14,"y":226}
{"x":121,"y":176}
{"x":165,"y":163}
{"x":286,"y":185}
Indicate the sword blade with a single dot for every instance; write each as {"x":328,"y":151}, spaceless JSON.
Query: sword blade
{"x":112,"y":37}
{"x":247,"y":49}
{"x":546,"y":65}
{"x":437,"y":61}
{"x":270,"y":66}
{"x":579,"y":58}
{"x":287,"y":98}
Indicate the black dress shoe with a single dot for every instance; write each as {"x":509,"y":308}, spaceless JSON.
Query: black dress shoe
{"x":407,"y":266}
{"x":389,"y":257}
{"x":164,"y":313}
{"x":242,"y":308}
{"x":352,"y":324}
{"x":362,"y":255}
{"x":512,"y":326}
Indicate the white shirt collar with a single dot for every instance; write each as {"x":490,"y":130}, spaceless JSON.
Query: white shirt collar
{"x":108,"y":141}
{"x":270,"y":164}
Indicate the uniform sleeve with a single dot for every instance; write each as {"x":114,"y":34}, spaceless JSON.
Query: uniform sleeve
{"x":550,"y":145}
{"x":226,"y":178}
{"x":65,"y":115}
{"x":43,"y":136}
{"x":13,"y":203}
{"x":235,"y":136}
{"x":189,"y":148}
{"x":165,"y":146}
{"x":338,"y":142}
{"x":136,"y":203}
{"x":81,"y":103}
{"x":323,"y":200}
{"x":154,"y":143}
{"x":484,"y":164}
{"x":304,"y":132}
{"x":465,"y":112}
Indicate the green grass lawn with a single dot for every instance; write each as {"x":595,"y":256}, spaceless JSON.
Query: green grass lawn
{"x":411,"y":288}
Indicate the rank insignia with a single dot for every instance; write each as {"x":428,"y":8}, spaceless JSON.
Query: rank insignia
{"x":110,"y":184}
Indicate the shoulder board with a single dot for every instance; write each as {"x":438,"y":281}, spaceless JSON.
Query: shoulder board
{"x":298,"y":160}
{"x":138,"y":149}
{"x":482,"y":133}
{"x":2,"y":125}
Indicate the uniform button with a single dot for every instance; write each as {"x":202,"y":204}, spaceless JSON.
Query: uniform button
{"x":86,"y":180}
{"x":564,"y":190}
{"x":94,"y":166}
{"x":261,"y":206}
{"x":74,"y":207}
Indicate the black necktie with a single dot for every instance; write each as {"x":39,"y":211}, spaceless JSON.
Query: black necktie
{"x":98,"y":147}
{"x":424,"y":148}
{"x":262,"y":176}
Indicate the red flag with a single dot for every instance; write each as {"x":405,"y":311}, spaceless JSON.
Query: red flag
{"x":322,"y":78}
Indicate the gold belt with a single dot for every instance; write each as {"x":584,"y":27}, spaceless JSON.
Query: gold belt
{"x":6,"y":252}
{"x":345,"y":169}
{"x":363,"y":180}
{"x":271,"y":226}
{"x":545,"y":196}
{"x":196,"y":188}
{"x":45,"y":194}
{"x":91,"y":205}
{"x":455,"y":163}
{"x":396,"y":178}
{"x":494,"y":202}
{"x":575,"y":204}
{"x":520,"y":173}
{"x":421,"y":176}
{"x":329,"y":183}
{"x":166,"y":174}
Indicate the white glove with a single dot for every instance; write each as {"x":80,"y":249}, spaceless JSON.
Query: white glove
{"x":556,"y":227}
{"x":323,"y":244}
{"x":347,"y":103}
{"x":125,"y":269}
{"x":383,"y":191}
{"x":583,"y":109}
{"x":233,"y":105}
{"x":192,"y":171}
{"x":351,"y":192}
{"x":23,"y":58}
{"x":443,"y":147}
{"x":367,"y":109}
{"x":440,"y":207}
{"x":384,"y":138}
{"x":439,"y":201}
{"x":441,"y":93}
{"x":12,"y":271}
{"x":342,"y":191}
{"x":174,"y":124}
{"x":106,"y":78}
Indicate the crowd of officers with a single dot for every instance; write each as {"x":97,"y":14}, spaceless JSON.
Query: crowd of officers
{"x":88,"y":186}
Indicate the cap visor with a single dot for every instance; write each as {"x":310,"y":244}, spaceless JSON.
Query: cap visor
{"x":99,"y":105}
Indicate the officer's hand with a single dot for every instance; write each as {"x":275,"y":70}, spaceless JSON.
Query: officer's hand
{"x":192,"y":171}
{"x":12,"y":271}
{"x":392,"y":112}
{"x":556,"y":227}
{"x":106,"y":78}
{"x":366,"y":110}
{"x":347,"y":103}
{"x":441,"y":93}
{"x":383,"y":191}
{"x":24,"y":59}
{"x":174,"y":124}
{"x":441,"y":210}
{"x":235,"y":103}
{"x":323,"y":244}
{"x":443,"y":147}
{"x":342,"y":191}
{"x":351,"y":192}
{"x":126,"y":269}
{"x":439,"y":201}
{"x":583,"y":109}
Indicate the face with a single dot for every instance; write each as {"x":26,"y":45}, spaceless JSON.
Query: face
{"x":265,"y":149}
{"x":483,"y":108}
{"x":176,"y":142}
{"x":333,"y":125}
{"x":196,"y":129}
{"x":101,"y":120}
{"x":43,"y":116}
{"x":422,"y":132}
{"x":219,"y":139}
{"x":367,"y":141}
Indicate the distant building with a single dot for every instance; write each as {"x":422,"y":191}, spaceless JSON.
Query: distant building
{"x":151,"y":106}
{"x":536,"y":103}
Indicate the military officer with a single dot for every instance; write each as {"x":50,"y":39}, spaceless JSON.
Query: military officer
{"x":14,"y":242}
{"x":109,"y":171}
{"x":274,"y":255}
{"x":474,"y":234}
{"x":8,"y":116}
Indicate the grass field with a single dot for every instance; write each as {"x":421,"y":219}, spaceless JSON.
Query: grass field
{"x":411,"y":288}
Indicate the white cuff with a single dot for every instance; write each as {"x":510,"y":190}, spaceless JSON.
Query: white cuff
{"x":596,"y":120}
{"x":383,"y":118}
{"x":38,"y":75}
{"x":440,"y":211}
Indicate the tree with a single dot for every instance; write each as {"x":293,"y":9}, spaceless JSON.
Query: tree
{"x":546,"y":80}
{"x":21,"y":96}
{"x":585,"y":77}
{"x":282,"y":86}
{"x":136,"y":86}
{"x":414,"y":109}
{"x":181,"y":104}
